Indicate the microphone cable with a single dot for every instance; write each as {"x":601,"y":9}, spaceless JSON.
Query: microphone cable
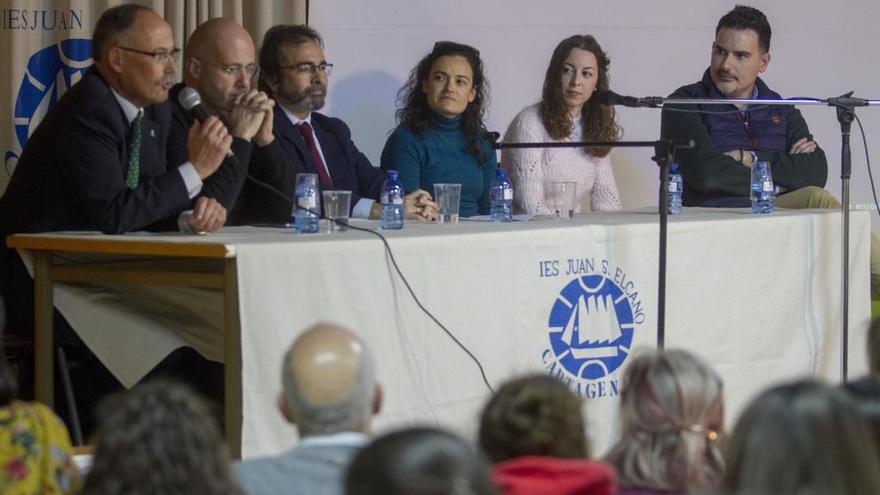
{"x":390,"y":254}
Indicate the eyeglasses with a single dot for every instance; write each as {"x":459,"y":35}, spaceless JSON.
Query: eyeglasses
{"x":160,"y":56}
{"x":249,"y":70}
{"x":310,"y":68}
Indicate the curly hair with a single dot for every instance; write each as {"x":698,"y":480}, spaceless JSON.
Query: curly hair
{"x":599,"y":121}
{"x":158,"y":438}
{"x":667,"y":410}
{"x":533,"y":415}
{"x":413,"y":110}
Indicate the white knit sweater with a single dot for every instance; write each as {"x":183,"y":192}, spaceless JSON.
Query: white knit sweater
{"x":532,"y":171}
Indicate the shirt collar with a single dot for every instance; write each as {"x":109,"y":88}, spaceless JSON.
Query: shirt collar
{"x":341,"y":439}
{"x":296,"y":120}
{"x":128,"y":108}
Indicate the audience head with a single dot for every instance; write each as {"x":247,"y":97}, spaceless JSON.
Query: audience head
{"x":801,"y":438}
{"x":419,"y":461}
{"x":874,"y":347}
{"x":329,"y":382}
{"x":450,"y":82}
{"x":535,"y":415}
{"x":293,"y":69}
{"x":866,"y":394}
{"x":671,"y":410}
{"x":578,"y":69}
{"x":740,"y":52}
{"x":158,"y":438}
{"x":133,"y":48}
{"x":220,"y":62}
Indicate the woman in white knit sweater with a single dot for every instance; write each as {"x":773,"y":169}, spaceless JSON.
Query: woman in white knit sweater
{"x":566,"y":112}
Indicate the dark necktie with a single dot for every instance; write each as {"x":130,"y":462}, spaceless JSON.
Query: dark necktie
{"x":134,"y":153}
{"x":323,"y":174}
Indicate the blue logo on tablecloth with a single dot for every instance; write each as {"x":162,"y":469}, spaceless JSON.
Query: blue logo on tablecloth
{"x":591,"y":327}
{"x":51,"y":71}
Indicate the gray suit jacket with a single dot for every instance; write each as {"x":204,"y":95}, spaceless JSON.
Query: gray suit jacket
{"x":306,"y":470}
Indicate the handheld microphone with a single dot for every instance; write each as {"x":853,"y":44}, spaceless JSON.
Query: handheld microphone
{"x":608,"y":97}
{"x":191,"y":101}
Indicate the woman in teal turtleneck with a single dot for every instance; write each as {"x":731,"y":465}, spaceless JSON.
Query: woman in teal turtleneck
{"x":439,"y":137}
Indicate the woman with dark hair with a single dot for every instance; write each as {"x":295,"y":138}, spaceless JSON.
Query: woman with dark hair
{"x":158,"y":439}
{"x":533,"y":430}
{"x":35,"y":451}
{"x":440,"y":132}
{"x":567,"y":112}
{"x":419,"y":461}
{"x":801,"y":438}
{"x":671,"y":412}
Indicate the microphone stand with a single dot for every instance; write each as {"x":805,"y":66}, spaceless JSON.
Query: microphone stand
{"x":845,"y":106}
{"x":664,"y":150}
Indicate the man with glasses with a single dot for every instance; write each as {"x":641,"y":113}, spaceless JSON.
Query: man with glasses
{"x":97,"y":161}
{"x":294,"y":72}
{"x":221,"y":64}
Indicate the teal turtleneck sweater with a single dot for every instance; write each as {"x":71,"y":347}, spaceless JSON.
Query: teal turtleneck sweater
{"x":440,"y":155}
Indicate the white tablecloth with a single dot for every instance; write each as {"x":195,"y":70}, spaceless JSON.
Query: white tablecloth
{"x":758,"y":297}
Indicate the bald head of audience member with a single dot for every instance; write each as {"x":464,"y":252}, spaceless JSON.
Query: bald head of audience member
{"x":329,"y":382}
{"x":220,"y":63}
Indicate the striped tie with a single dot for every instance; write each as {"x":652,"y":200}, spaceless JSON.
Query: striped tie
{"x":134,"y":153}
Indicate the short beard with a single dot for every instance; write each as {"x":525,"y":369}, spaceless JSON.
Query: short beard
{"x":304,"y":102}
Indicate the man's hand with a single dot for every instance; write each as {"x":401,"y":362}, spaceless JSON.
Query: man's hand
{"x":207,"y":145}
{"x":803,"y":145}
{"x":418,"y":205}
{"x":264,"y":136}
{"x":743,"y":156}
{"x":248,"y":114}
{"x":208,"y":216}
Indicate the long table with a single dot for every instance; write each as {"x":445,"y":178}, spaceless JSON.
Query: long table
{"x":758,"y":297}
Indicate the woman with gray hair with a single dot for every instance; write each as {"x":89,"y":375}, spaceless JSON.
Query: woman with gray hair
{"x":671,"y":411}
{"x":801,"y":438}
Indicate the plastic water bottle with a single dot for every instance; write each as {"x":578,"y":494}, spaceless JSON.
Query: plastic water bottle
{"x":675,"y":188}
{"x":306,"y":209}
{"x":763,"y":192}
{"x":391,"y":216}
{"x":501,"y":198}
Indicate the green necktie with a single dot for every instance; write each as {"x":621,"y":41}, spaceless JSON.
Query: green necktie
{"x":134,"y":153}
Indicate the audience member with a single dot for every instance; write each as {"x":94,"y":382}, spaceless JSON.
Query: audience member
{"x":533,"y":429}
{"x":801,"y":438}
{"x":671,"y":413}
{"x":330,"y":394}
{"x":567,"y":112}
{"x":35,"y":451}
{"x":440,"y":132}
{"x":295,"y":73}
{"x":158,"y":439}
{"x":419,"y":461}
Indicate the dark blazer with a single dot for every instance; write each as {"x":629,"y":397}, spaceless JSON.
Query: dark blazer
{"x":71,"y":175}
{"x":225,"y":184}
{"x":349,"y":168}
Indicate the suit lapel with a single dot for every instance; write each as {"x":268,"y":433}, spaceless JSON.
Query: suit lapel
{"x":293,"y":141}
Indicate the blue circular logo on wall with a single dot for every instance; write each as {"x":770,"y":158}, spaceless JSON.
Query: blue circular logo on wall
{"x":591,"y":327}
{"x":50,"y":73}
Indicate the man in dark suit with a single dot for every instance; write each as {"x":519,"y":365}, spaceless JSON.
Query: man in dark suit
{"x":294,"y":72}
{"x":97,"y":160}
{"x":220,"y":65}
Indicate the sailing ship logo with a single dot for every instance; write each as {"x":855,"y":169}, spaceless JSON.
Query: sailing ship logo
{"x":591,"y":327}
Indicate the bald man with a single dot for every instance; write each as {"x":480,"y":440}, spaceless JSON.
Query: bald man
{"x":330,"y":393}
{"x":221,"y":64}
